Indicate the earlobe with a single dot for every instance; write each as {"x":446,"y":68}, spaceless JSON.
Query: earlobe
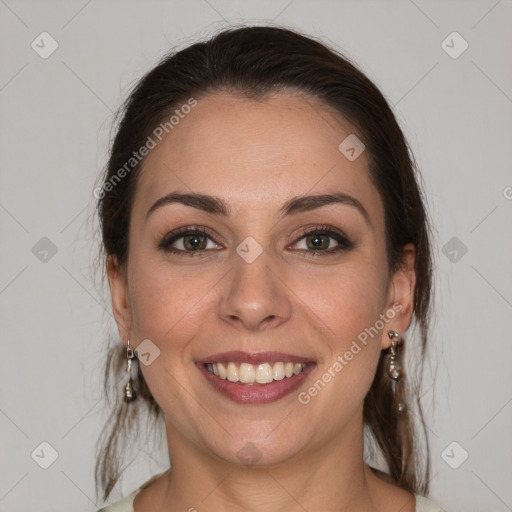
{"x":119,"y":295}
{"x":401,"y":295}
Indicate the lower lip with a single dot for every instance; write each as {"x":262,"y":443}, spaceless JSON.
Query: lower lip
{"x":256,"y":393}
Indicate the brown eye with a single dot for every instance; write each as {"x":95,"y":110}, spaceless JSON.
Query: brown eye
{"x":188,"y":241}
{"x":194,"y":242}
{"x":318,"y":241}
{"x":323,"y":241}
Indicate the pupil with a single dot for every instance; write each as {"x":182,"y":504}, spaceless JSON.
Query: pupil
{"x":194,"y":241}
{"x":319,"y":241}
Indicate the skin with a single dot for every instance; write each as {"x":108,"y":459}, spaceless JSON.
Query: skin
{"x":256,"y":155}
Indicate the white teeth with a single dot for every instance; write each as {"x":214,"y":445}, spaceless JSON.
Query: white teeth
{"x":222,"y":370}
{"x":246,"y":373}
{"x":263,"y":373}
{"x":278,"y":371}
{"x":232,"y":372}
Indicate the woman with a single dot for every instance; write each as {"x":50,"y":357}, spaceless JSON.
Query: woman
{"x":266,"y":248}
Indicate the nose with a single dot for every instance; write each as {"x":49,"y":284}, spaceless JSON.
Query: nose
{"x":254,"y":297}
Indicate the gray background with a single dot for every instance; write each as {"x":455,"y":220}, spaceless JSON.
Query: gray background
{"x":56,"y":117}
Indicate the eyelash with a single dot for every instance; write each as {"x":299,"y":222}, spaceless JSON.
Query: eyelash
{"x":344,"y":244}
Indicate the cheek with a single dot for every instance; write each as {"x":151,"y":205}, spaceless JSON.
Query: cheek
{"x":348,"y":300}
{"x":167,"y":304}
{"x":348,"y":305}
{"x":168,"y":307}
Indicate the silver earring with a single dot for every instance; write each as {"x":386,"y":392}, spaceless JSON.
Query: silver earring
{"x":129,"y":392}
{"x":394,"y":366}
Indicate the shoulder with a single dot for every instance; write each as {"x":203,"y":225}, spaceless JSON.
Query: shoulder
{"x":425,"y":505}
{"x":397,"y":498}
{"x":126,"y":504}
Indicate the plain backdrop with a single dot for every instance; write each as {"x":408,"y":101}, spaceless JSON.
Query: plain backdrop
{"x":455,"y":106}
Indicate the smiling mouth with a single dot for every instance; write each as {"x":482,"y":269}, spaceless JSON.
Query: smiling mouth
{"x":252,"y":374}
{"x":255,"y":378}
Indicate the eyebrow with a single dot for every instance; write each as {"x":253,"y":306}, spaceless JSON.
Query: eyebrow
{"x":216,"y":206}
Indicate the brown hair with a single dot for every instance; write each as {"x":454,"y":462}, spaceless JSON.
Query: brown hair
{"x":253,"y":62}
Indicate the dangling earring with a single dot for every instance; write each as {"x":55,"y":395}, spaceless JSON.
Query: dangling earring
{"x":394,"y":367}
{"x":129,"y":392}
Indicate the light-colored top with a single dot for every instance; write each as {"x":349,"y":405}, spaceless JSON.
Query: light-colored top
{"x":126,"y":504}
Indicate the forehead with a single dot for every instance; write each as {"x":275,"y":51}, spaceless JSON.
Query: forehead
{"x":255,"y":153}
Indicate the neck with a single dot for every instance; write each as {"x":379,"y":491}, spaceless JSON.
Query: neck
{"x":328,"y":477}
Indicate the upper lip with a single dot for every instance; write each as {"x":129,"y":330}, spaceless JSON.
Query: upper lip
{"x":254,"y":358}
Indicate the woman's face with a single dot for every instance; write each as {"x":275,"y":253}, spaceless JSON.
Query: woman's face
{"x":266,"y":275}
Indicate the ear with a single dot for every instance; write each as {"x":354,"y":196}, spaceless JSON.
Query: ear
{"x":118,"y":283}
{"x":400,"y":299}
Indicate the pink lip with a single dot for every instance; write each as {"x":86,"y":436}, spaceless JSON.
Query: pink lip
{"x":254,"y":358}
{"x":256,"y":393}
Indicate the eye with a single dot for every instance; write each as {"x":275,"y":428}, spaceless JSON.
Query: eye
{"x":188,"y":240}
{"x":323,"y":240}
{"x":194,"y":240}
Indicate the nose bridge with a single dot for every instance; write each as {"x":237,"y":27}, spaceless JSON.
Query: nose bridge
{"x":254,"y":296}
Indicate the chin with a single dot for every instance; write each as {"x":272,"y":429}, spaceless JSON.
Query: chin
{"x":251,"y":452}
